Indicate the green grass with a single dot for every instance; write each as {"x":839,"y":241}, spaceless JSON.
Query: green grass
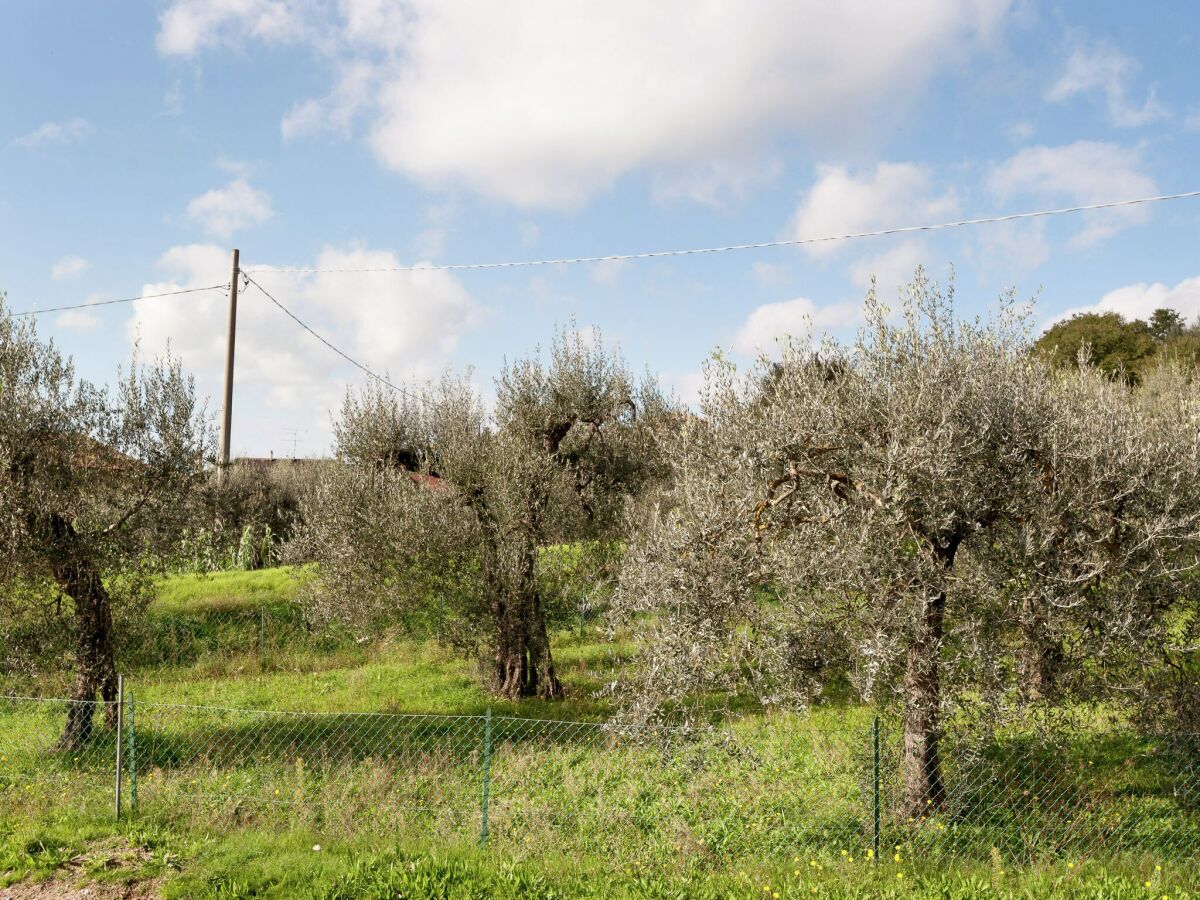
{"x":232,"y":804}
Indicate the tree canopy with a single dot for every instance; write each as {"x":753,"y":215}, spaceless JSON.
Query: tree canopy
{"x":905,"y":513}
{"x":94,"y":487}
{"x":442,"y":512}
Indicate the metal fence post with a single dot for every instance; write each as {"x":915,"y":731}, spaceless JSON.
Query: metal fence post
{"x":262,"y":630}
{"x":875,"y":791}
{"x":132,"y":758}
{"x":487,"y":773}
{"x":120,"y":728}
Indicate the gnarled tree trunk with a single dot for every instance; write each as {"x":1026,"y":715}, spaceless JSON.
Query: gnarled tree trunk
{"x":524,"y":665}
{"x":924,"y":789}
{"x":95,"y":666}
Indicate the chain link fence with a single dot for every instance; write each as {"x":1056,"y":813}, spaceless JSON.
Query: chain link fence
{"x":820,"y":785}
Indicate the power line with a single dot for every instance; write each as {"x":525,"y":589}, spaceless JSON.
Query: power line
{"x":340,"y":353}
{"x":34,"y":312}
{"x":789,"y":242}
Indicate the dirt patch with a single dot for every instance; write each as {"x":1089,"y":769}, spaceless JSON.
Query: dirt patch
{"x":76,"y":878}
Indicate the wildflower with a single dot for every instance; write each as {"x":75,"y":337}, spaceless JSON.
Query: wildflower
{"x":1147,"y":884}
{"x":316,"y":848}
{"x":870,"y":854}
{"x":849,"y":859}
{"x":843,"y":853}
{"x":896,"y":857}
{"x":899,"y":874}
{"x":1158,"y":868}
{"x":1070,"y":865}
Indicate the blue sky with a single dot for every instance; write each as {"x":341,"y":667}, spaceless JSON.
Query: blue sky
{"x":142,"y":140}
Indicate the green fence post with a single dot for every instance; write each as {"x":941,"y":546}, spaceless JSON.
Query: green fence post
{"x":132,"y":760}
{"x":120,"y":728}
{"x":487,"y":773}
{"x":875,"y":791}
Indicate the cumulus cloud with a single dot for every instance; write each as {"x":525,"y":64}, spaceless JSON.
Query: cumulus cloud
{"x":76,"y":320}
{"x":187,"y":26}
{"x":800,"y":318}
{"x":544,"y":104}
{"x":69,"y":267}
{"x":1139,"y":301}
{"x":1100,"y":69}
{"x":1080,"y":173}
{"x":891,"y":269}
{"x":66,"y":132}
{"x":405,"y":323}
{"x":842,"y":202}
{"x":237,"y":205}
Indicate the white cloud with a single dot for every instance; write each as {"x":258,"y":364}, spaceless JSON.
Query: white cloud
{"x":545,"y":104}
{"x":716,"y":183}
{"x":66,"y":132}
{"x":769,"y":273}
{"x":1139,"y":301}
{"x":1100,"y":68}
{"x":684,"y":386}
{"x":1081,"y":173}
{"x":238,"y":168}
{"x":801,"y":318}
{"x":1004,"y":249}
{"x":405,"y":323}
{"x":891,"y":269}
{"x":76,"y":320}
{"x":237,"y":205}
{"x":187,"y":26}
{"x":69,"y":267}
{"x":431,"y":242}
{"x":1020,"y":131}
{"x":529,"y":233}
{"x":841,"y":202}
{"x":336,"y":112}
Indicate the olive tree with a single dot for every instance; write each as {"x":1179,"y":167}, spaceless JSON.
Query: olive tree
{"x":864,"y":512}
{"x":93,"y":491}
{"x":441,"y":514}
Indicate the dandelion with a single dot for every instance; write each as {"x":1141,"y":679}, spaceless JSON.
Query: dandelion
{"x":1070,"y":865}
{"x":870,"y":854}
{"x":899,"y":874}
{"x":1158,"y":868}
{"x":849,"y":859}
{"x":795,"y":871}
{"x":896,"y":857}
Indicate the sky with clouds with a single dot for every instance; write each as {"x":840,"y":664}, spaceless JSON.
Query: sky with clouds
{"x":143,"y":140}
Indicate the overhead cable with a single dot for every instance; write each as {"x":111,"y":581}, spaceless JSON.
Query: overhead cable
{"x":340,"y":353}
{"x":787,"y":242}
{"x":34,"y":312}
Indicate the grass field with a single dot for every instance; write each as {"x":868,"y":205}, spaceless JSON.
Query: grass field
{"x":353,"y":799}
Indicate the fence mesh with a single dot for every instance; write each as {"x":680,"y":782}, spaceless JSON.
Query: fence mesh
{"x":775,"y":785}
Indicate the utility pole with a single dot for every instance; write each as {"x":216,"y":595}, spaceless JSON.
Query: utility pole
{"x":227,"y":407}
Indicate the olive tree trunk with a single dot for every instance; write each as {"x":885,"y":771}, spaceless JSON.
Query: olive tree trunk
{"x":524,"y":665}
{"x":924,"y":788}
{"x":922,"y":768}
{"x":95,"y":665}
{"x":1040,"y":657}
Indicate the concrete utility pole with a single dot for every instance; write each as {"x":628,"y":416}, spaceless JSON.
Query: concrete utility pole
{"x":227,"y":407}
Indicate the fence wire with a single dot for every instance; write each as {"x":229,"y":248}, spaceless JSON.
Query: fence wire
{"x":813,"y":786}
